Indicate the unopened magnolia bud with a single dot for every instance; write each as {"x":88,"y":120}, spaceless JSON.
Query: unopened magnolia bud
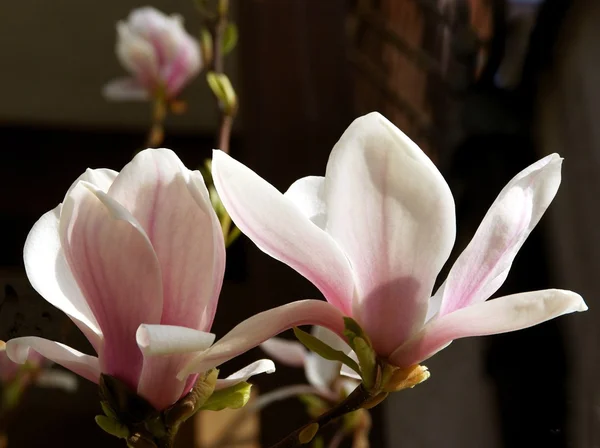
{"x":402,"y":379}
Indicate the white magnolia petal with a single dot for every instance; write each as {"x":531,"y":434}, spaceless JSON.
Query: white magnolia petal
{"x":484,"y":265}
{"x":83,"y":365}
{"x":392,"y":212}
{"x":260,"y":327}
{"x":289,"y":353}
{"x":308,"y":194}
{"x":125,"y":89}
{"x":280,"y":229}
{"x":256,"y":368}
{"x":156,"y":340}
{"x":51,"y":277}
{"x":137,"y":55}
{"x":349,"y":373}
{"x":172,"y":205}
{"x":321,"y":372}
{"x":501,"y":315}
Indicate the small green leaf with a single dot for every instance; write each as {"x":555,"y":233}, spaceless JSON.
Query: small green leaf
{"x":353,"y":330}
{"x":233,"y":397}
{"x":308,"y":433}
{"x":367,"y":360}
{"x":230,"y":38}
{"x":112,"y":427}
{"x":108,"y":411}
{"x":206,"y":46}
{"x":233,"y":235}
{"x":319,"y":347}
{"x":221,"y":87}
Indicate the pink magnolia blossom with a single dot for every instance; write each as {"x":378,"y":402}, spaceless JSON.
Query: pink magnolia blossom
{"x":160,"y":55}
{"x":136,"y":260}
{"x":329,"y":378}
{"x":374,"y":233}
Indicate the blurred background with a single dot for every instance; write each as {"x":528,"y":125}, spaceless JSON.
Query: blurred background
{"x":484,"y":86}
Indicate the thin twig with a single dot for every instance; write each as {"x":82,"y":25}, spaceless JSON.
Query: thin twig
{"x":354,"y":401}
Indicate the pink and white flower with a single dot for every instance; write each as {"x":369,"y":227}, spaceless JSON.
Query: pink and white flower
{"x":159,"y":54}
{"x":373,"y":235}
{"x":136,"y":260}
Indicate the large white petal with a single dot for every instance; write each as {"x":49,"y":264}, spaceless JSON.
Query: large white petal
{"x":289,"y":353}
{"x":392,"y":213}
{"x":172,"y":204}
{"x":51,"y":277}
{"x":117,"y":271}
{"x":308,"y":194}
{"x":256,"y":368}
{"x":484,"y":265}
{"x":501,"y":315}
{"x":280,"y":229}
{"x":84,"y":365}
{"x":260,"y":327}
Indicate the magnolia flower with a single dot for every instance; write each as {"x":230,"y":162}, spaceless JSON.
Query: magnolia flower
{"x":37,"y":371}
{"x":374,"y":233}
{"x":160,"y":55}
{"x":330,"y":379}
{"x":136,"y":260}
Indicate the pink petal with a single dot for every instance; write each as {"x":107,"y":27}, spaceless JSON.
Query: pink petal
{"x":280,"y":229}
{"x":125,"y":89}
{"x":86,"y":366}
{"x":117,"y":271}
{"x":166,"y":350}
{"x":50,"y":275}
{"x":392,"y":213}
{"x":289,"y":353}
{"x":172,"y":205}
{"x":508,"y":313}
{"x":484,"y":265}
{"x":256,"y":368}
{"x":260,"y":327}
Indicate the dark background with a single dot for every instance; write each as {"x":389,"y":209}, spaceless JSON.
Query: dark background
{"x":304,"y":69}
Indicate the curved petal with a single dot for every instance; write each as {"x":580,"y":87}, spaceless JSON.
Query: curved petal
{"x":137,"y":55}
{"x":260,"y":327}
{"x":392,"y":213}
{"x":501,"y":315}
{"x":256,"y":368}
{"x":125,"y":89}
{"x":172,"y":205}
{"x":280,"y":229}
{"x":117,"y":271}
{"x":166,"y":350}
{"x":484,"y":265}
{"x":321,"y":372}
{"x":50,"y":275}
{"x":289,"y":353}
{"x":83,"y":365}
{"x":308,"y":194}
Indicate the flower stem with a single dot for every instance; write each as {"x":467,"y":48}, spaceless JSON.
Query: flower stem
{"x":156,"y":135}
{"x":354,"y":401}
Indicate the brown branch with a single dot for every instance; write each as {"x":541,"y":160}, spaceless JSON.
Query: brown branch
{"x":354,"y":401}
